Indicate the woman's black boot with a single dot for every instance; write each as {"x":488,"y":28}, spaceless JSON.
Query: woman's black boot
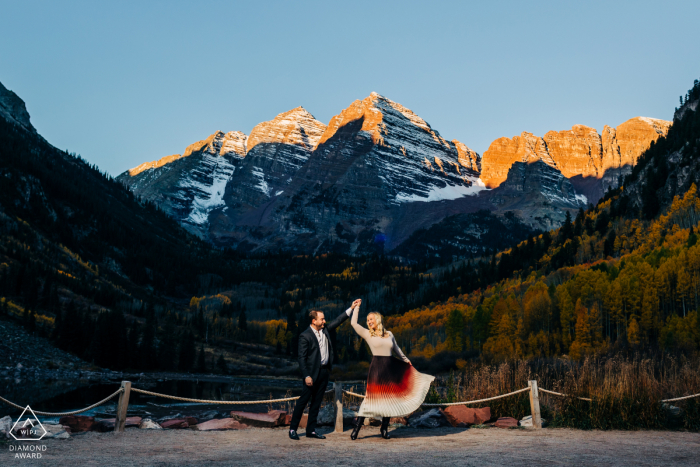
{"x":358,"y":425}
{"x":384,"y":430}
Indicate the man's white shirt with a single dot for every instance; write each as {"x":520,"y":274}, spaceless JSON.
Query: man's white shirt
{"x":323,"y":342}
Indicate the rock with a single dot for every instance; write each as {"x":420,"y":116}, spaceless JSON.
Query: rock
{"x":55,"y":431}
{"x":326,"y":416}
{"x":398,"y":421}
{"x":506,"y":422}
{"x":260,"y":420}
{"x":12,"y":108}
{"x":104,"y":425}
{"x":430,"y":419}
{"x":148,"y":424}
{"x":672,"y":411}
{"x":5,"y":426}
{"x":579,"y":153}
{"x":175,"y":424}
{"x":221,"y":424}
{"x":206,"y":416}
{"x":107,"y":424}
{"x":191,"y":421}
{"x":462,"y":416}
{"x":527,"y":421}
{"x":77,"y":423}
{"x":304,"y":420}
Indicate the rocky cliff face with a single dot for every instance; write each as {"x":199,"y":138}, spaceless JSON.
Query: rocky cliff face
{"x":374,"y":175}
{"x":189,"y":186}
{"x":538,"y":193}
{"x":230,"y":170}
{"x":12,"y":109}
{"x":592,"y":161}
{"x":374,"y":157}
{"x":276,"y":151}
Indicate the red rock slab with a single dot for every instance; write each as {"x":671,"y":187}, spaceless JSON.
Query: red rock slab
{"x":221,"y":424}
{"x":288,"y":420}
{"x":401,"y":420}
{"x":260,"y":420}
{"x":463,"y":416}
{"x":506,"y":422}
{"x":175,"y":424}
{"x":191,"y":421}
{"x":77,"y":423}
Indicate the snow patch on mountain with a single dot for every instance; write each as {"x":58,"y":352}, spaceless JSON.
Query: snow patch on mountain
{"x":262,"y":183}
{"x":447,"y":192}
{"x":207,"y":190}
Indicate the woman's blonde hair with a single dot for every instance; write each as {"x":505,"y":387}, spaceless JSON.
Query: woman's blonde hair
{"x":379,"y":331}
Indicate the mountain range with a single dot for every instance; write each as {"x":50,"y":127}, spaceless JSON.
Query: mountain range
{"x":378,"y":176}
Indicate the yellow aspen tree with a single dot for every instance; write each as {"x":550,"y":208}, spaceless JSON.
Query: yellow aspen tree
{"x":566,"y":315}
{"x":633,"y":333}
{"x":583,"y":326}
{"x":596,"y":324}
{"x":614,"y":306}
{"x":684,"y":286}
{"x":650,"y":310}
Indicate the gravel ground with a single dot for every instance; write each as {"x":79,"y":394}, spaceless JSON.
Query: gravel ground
{"x":441,"y":446}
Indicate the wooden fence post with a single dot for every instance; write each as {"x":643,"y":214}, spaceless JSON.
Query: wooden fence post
{"x":122,"y":406}
{"x":338,"y":406}
{"x":535,"y":404}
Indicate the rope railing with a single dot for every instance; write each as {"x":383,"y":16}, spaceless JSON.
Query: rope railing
{"x":62,"y":414}
{"x":454,"y":403}
{"x":591,"y":400}
{"x":204,"y":401}
{"x":681,"y":398}
{"x":478,"y":400}
{"x":564,"y":395}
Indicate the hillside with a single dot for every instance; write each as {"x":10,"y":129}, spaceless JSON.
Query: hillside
{"x":621,"y":277}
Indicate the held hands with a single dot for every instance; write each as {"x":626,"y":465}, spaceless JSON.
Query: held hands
{"x":356,"y":303}
{"x":308,"y":381}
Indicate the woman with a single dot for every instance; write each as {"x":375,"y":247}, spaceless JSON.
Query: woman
{"x":394,"y":387}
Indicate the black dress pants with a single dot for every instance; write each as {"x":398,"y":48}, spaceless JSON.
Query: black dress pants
{"x":315,"y":394}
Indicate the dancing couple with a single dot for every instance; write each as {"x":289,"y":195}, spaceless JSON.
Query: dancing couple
{"x":394,"y":387}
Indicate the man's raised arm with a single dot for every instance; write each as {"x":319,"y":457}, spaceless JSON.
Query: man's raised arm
{"x":341,"y":317}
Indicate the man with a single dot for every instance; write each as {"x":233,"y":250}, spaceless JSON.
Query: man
{"x":315,"y":362}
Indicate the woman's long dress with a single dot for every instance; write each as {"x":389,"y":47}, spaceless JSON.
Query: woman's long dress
{"x":394,"y":387}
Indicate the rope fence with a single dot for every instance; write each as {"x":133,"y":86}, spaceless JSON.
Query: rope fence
{"x":680,"y":398}
{"x":446,"y":404}
{"x":61,"y":414}
{"x":564,"y":395}
{"x":124,"y":391}
{"x":203,"y":401}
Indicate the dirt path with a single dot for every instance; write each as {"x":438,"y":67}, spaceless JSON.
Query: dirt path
{"x":442,"y":446}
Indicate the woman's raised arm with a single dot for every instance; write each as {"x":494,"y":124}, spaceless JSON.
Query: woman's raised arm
{"x":362,"y":332}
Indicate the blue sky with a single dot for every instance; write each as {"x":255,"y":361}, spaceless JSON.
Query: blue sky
{"x":126,"y":82}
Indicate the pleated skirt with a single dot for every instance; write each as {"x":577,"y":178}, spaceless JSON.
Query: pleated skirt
{"x":394,"y":388}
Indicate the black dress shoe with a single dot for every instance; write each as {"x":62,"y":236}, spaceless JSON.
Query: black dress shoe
{"x":385,"y":433}
{"x":315,"y":435}
{"x":293,"y":435}
{"x":356,"y":430}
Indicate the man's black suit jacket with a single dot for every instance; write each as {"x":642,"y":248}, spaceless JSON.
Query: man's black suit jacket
{"x":310,"y":352}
